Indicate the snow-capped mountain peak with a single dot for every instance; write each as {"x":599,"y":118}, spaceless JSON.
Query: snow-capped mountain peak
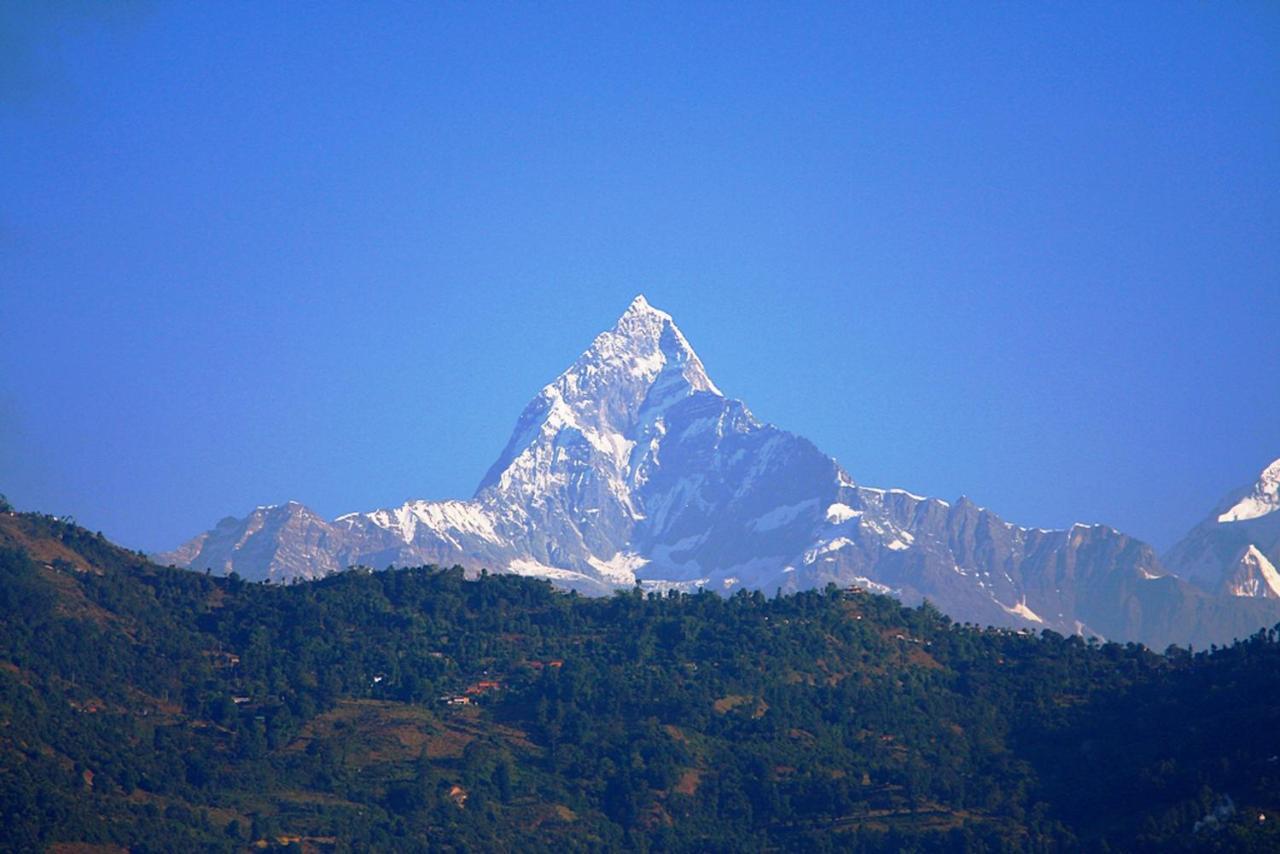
{"x":616,"y":390}
{"x":1253,"y":575}
{"x":1263,"y":499}
{"x":643,"y":345}
{"x":632,"y":467}
{"x":1237,"y":546}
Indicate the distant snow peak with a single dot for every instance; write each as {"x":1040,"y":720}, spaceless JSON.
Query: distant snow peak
{"x":649,"y":339}
{"x":1262,"y":500}
{"x":640,"y":305}
{"x":613,"y":398}
{"x":1254,"y":576}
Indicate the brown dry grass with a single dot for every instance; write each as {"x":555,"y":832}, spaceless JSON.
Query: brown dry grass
{"x":376,"y":731}
{"x":15,"y":531}
{"x":729,"y":701}
{"x":689,"y":781}
{"x":381,"y":731}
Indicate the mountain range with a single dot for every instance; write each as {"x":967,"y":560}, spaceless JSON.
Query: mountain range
{"x":632,"y":467}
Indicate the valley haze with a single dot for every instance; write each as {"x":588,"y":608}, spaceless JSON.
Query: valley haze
{"x":632,"y":467}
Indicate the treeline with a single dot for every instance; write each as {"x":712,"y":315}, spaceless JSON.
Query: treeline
{"x":414,"y":709}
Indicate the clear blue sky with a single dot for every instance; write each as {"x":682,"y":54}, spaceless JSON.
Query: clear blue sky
{"x":251,"y":252}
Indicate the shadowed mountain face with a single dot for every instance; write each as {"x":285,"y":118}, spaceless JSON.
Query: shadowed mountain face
{"x":632,"y":466}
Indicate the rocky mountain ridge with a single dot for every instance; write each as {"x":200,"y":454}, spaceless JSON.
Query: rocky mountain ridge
{"x":633,"y":467}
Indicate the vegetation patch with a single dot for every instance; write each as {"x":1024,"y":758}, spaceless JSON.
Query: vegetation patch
{"x":157,"y":709}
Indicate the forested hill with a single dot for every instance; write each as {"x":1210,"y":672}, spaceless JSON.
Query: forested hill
{"x":159,"y":709}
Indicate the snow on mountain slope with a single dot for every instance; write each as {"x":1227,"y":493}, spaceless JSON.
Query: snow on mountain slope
{"x":1262,"y":499}
{"x":632,"y":466}
{"x":1211,"y":554}
{"x":1253,"y":575}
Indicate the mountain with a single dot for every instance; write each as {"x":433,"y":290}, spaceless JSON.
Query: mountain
{"x":632,"y":466}
{"x":281,"y":542}
{"x":1236,"y":549}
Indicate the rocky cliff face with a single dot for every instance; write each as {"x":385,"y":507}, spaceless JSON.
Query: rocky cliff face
{"x":632,"y":467}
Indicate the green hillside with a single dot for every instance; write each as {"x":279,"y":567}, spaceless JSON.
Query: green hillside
{"x":155,"y":709}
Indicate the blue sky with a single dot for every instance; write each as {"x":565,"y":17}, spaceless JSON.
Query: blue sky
{"x":251,"y":252}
